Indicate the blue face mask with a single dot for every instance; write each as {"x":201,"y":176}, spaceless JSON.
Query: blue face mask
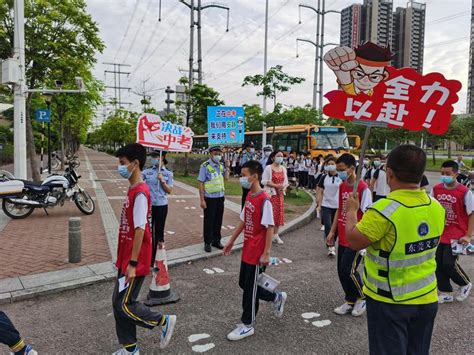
{"x":447,"y":179}
{"x":155,"y":161}
{"x":123,"y":171}
{"x":342,"y":175}
{"x":377,"y":163}
{"x":244,"y":182}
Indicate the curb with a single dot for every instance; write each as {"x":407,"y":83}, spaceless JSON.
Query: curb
{"x":32,"y":286}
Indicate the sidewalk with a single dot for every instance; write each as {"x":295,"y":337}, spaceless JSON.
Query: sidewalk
{"x":36,"y":248}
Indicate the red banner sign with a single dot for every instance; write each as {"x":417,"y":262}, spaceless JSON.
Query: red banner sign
{"x":404,"y":99}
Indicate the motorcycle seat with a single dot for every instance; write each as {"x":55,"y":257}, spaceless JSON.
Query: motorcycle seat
{"x":35,"y":185}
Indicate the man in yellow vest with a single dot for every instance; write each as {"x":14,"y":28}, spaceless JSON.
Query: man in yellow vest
{"x":401,"y":233}
{"x":211,"y":193}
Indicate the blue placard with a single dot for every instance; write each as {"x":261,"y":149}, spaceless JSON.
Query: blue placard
{"x":225,"y":125}
{"x":43,"y":115}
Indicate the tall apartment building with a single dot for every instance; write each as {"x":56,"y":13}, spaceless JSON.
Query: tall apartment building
{"x":375,"y":21}
{"x":470,"y":81}
{"x":409,"y":36}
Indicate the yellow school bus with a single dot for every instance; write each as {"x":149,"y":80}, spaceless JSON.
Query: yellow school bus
{"x":318,"y":140}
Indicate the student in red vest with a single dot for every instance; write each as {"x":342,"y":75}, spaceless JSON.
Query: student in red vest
{"x":348,"y":259}
{"x":256,"y":220}
{"x":458,"y":202}
{"x":134,"y":257}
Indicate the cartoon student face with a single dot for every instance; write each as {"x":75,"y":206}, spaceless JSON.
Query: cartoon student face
{"x":359,"y":70}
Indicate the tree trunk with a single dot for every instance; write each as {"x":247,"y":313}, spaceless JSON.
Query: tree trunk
{"x":433,"y":147}
{"x":449,"y":149}
{"x":30,"y":143}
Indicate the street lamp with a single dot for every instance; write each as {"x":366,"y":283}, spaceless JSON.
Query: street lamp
{"x":48,"y":98}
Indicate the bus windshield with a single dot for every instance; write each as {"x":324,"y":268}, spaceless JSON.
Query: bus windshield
{"x":330,"y":138}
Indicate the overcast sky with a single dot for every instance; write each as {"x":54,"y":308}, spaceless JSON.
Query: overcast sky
{"x":133,"y":35}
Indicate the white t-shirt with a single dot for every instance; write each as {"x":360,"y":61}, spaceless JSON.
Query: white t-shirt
{"x":330,"y":185}
{"x":302,"y":166}
{"x":468,"y":201}
{"x":140,"y":212}
{"x":267,"y":214}
{"x":381,"y":186}
{"x":366,"y":200}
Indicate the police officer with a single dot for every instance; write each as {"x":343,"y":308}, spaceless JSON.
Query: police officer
{"x":211,"y":192}
{"x":160,"y":183}
{"x":401,"y":234}
{"x":267,"y":150}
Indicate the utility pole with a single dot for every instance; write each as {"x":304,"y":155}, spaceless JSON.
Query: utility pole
{"x":168,"y":100}
{"x":265,"y":57}
{"x":117,"y":72}
{"x":144,"y":93}
{"x":19,"y":122}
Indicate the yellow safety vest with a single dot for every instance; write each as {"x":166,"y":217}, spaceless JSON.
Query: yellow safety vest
{"x":216,"y":184}
{"x":407,"y":271}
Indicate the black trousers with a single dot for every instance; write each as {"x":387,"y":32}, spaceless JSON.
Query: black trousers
{"x":327,"y":217}
{"x":347,"y":262}
{"x":9,"y":335}
{"x":303,"y":180}
{"x":448,"y":269}
{"x":245,"y":192}
{"x":311,"y":182}
{"x":252,"y":292}
{"x":129,"y":313}
{"x":213,"y":215}
{"x":400,"y":329}
{"x":158,"y":220}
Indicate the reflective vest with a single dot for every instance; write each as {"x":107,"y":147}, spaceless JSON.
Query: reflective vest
{"x":216,"y":183}
{"x":407,"y":271}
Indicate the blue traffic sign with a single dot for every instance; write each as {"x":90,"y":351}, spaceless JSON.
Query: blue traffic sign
{"x":225,"y":125}
{"x":43,"y":115}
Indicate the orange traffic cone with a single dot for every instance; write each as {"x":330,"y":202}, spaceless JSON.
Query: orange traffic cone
{"x":160,"y":288}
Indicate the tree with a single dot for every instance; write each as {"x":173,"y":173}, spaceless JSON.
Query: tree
{"x":253,"y":117}
{"x":202,"y":96}
{"x":61,"y":39}
{"x":274,"y":82}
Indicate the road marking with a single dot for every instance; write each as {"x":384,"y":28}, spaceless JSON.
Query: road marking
{"x":170,"y":232}
{"x":186,"y":208}
{"x":321,"y":323}
{"x":218,"y":270}
{"x":195,"y":337}
{"x":285,"y":260}
{"x":224,"y":228}
{"x":203,"y":348}
{"x":193,"y":208}
{"x":309,"y":315}
{"x":231,"y":227}
{"x":208,"y":271}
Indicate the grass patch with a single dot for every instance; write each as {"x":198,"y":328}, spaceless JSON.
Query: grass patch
{"x":300,"y":199}
{"x":232,"y":186}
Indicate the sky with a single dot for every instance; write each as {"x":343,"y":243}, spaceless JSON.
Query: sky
{"x":158,"y":50}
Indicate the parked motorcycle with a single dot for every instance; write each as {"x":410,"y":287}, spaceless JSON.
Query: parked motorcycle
{"x":21,"y":197}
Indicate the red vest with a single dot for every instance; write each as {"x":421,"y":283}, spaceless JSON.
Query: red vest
{"x":254,"y":232}
{"x":457,"y":219}
{"x":344,"y":190}
{"x":127,"y":234}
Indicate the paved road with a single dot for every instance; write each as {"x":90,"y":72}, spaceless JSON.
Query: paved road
{"x":81,"y":321}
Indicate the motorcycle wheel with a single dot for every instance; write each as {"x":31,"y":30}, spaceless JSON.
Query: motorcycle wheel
{"x":85,"y":203}
{"x":16,"y":211}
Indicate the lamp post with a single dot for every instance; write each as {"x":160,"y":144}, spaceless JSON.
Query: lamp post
{"x":48,"y":98}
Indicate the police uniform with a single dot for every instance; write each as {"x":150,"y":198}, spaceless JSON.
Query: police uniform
{"x":159,"y":203}
{"x":211,"y":174}
{"x":399,"y":274}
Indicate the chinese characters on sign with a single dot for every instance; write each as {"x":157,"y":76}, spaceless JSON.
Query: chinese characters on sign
{"x":373,"y":91}
{"x":153,"y":132}
{"x":225,"y":125}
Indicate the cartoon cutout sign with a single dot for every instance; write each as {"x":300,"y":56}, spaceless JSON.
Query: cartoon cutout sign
{"x":164,"y":135}
{"x":373,"y":91}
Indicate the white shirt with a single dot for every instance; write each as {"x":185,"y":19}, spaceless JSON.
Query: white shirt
{"x":468,"y":201}
{"x":381,"y":186}
{"x":330,"y":185}
{"x":267,"y":177}
{"x":366,"y":200}
{"x":267,"y":214}
{"x":140,"y":212}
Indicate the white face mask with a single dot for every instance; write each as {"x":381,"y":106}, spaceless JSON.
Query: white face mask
{"x":267,"y":153}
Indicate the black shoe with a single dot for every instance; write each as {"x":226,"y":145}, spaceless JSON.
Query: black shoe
{"x":218,"y":245}
{"x":207,"y":248}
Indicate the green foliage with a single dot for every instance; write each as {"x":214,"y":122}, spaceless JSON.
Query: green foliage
{"x":202,"y":96}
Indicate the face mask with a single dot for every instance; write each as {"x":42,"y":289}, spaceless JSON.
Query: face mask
{"x":447,"y":179}
{"x":252,"y":150}
{"x":244,"y":182}
{"x":155,"y":161}
{"x":366,"y":162}
{"x":217,"y":158}
{"x":123,"y":171}
{"x":330,"y":168}
{"x":278,"y":160}
{"x":342,"y":175}
{"x":267,"y":154}
{"x":377,"y":163}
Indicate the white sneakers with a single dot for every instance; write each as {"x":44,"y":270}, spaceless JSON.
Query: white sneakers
{"x":464,"y":292}
{"x":124,"y":351}
{"x":276,"y":239}
{"x":445,"y":298}
{"x":242,"y":331}
{"x":356,"y":310}
{"x":331,"y":251}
